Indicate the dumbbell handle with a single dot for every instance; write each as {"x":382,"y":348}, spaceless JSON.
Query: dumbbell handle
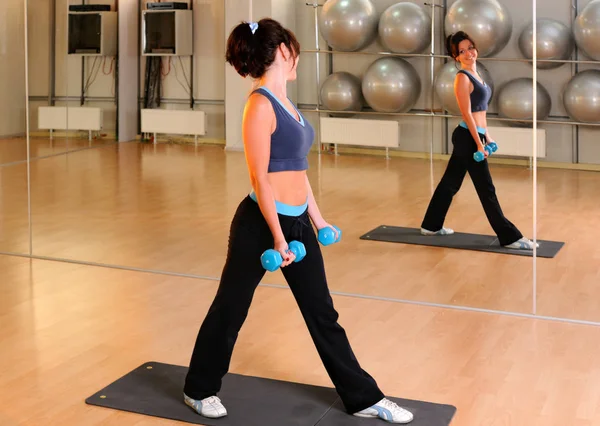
{"x":480,"y":156}
{"x":271,"y":259}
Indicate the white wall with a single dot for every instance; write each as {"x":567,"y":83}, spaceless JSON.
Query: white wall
{"x":67,"y":71}
{"x":562,"y":138}
{"x":416,"y":131}
{"x":128,"y":111}
{"x":209,"y":82}
{"x":210,"y":70}
{"x":209,"y":59}
{"x":238,"y":88}
{"x":12,"y":68}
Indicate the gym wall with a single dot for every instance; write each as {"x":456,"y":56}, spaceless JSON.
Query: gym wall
{"x":12,"y":68}
{"x":563,"y":142}
{"x":208,"y":83}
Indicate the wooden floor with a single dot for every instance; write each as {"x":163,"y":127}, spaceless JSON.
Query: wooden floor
{"x":67,"y":330}
{"x":168,"y":207}
{"x":14,"y":149}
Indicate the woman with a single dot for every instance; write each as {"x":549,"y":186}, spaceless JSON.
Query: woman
{"x":471,"y":135}
{"x":277,"y":139}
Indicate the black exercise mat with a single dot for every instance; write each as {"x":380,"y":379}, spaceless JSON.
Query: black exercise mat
{"x":159,"y":392}
{"x":155,"y":389}
{"x":458,"y":240}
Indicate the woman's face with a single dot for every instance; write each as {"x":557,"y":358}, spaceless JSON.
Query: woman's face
{"x":467,"y":54}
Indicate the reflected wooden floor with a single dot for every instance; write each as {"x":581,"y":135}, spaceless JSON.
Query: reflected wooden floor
{"x":69,"y":330}
{"x":168,"y":207}
{"x":15,"y":149}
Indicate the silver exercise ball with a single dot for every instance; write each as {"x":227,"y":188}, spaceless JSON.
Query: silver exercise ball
{"x":554,"y":41}
{"x":348,"y":25}
{"x":341,"y":91}
{"x":487,"y":22}
{"x":444,"y":85}
{"x":586,"y":30}
{"x":581,"y":96}
{"x":515,"y":100}
{"x":391,"y":85}
{"x":405,"y":28}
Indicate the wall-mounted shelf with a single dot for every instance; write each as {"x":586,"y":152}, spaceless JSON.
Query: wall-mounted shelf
{"x":167,"y":33}
{"x":92,"y":34}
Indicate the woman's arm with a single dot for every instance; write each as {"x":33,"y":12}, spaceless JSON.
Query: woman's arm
{"x":257,"y":125}
{"x":313,"y":209}
{"x":488,"y":137}
{"x":462,"y":90}
{"x":314,"y":213}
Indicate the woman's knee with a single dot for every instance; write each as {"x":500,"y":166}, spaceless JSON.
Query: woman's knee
{"x":448,"y":187}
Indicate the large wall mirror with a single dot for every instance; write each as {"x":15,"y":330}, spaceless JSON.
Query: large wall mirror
{"x":136,"y":160}
{"x":394,"y":54}
{"x":568,"y":211}
{"x":14,"y":208}
{"x":72,"y":101}
{"x":110,"y":198}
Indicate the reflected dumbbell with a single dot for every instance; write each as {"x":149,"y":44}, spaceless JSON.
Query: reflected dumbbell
{"x":327,"y":235}
{"x":490,"y":148}
{"x":271,"y":259}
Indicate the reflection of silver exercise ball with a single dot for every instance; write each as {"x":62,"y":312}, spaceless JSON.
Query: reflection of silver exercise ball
{"x":554,"y":41}
{"x":582,"y":96}
{"x":487,"y":22}
{"x":348,"y":25}
{"x":341,"y":91}
{"x":405,"y":28}
{"x":515,"y":100}
{"x":391,"y":85}
{"x":444,"y":85}
{"x":586,"y":29}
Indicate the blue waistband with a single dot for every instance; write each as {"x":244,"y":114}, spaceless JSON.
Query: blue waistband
{"x":285,"y":209}
{"x":479,"y":129}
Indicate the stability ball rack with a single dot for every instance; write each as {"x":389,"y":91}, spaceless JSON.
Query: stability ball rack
{"x":560,"y":120}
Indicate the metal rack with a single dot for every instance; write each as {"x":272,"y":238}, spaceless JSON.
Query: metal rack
{"x":556,"y":120}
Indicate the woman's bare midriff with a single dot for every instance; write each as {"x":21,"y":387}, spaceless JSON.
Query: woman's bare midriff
{"x":289,"y":187}
{"x":480,"y":119}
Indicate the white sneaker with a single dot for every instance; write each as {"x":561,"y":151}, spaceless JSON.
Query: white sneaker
{"x":443,"y":231}
{"x":388,"y":411}
{"x":210,"y":407}
{"x":522,"y":244}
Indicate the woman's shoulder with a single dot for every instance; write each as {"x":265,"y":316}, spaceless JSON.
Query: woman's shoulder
{"x":259,"y":100}
{"x":462,"y":76}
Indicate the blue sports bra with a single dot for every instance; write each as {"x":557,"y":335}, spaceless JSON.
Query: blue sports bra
{"x":480,"y":95}
{"x":291,"y":140}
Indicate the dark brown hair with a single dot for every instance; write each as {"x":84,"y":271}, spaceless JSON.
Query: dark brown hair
{"x":252,"y":54}
{"x":453,"y":40}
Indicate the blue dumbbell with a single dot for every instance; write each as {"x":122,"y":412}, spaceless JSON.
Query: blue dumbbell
{"x":271,"y":259}
{"x":493,"y":146}
{"x":480,"y":156}
{"x":327,"y":236}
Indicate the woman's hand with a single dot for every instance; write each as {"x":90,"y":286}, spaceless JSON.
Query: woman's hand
{"x":322,"y":224}
{"x":482,"y":149}
{"x":286,"y":254}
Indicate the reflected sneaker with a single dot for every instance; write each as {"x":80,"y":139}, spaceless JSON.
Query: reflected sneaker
{"x":210,"y":407}
{"x":522,"y":244}
{"x":388,"y":411}
{"x":443,"y":231}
